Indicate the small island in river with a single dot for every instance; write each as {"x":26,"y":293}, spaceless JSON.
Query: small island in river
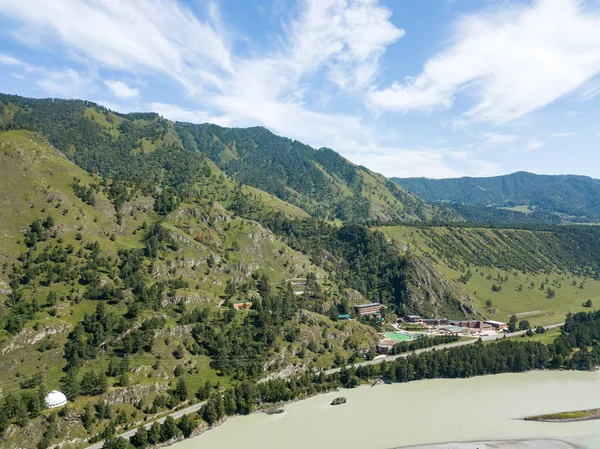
{"x":579,"y":415}
{"x":338,"y":401}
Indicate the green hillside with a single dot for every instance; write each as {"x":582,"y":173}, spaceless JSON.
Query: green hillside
{"x":575,"y":198}
{"x":144,"y":147}
{"x":109,"y":297}
{"x":538,"y":275}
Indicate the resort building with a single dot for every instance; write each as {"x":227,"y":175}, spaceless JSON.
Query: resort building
{"x":343,"y":316}
{"x":454,"y":330}
{"x":413,"y":318}
{"x":497,"y":325}
{"x":385,"y":346}
{"x":368,"y":309}
{"x":435,"y":321}
{"x":242,"y":305}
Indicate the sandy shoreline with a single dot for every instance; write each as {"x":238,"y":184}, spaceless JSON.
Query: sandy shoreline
{"x":508,"y":444}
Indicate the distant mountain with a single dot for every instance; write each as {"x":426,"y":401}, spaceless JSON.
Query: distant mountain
{"x":575,"y":198}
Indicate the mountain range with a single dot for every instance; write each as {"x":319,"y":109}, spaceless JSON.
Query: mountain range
{"x":574,"y":198}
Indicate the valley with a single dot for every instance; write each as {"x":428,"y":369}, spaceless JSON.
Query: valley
{"x":150,"y":266}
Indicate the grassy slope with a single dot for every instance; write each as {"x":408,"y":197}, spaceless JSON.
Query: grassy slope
{"x":35,"y":181}
{"x":530,"y":303}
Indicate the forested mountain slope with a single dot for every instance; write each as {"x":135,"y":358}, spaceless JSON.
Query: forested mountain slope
{"x":574,"y":197}
{"x":141,"y":145}
{"x":117,"y":286}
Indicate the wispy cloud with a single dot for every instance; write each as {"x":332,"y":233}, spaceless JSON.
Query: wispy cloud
{"x":122,"y":90}
{"x":565,"y":134}
{"x":348,"y":38}
{"x":513,"y":61}
{"x":160,"y":35}
{"x":10,"y":61}
{"x":499,"y":139}
{"x":177,"y":113}
{"x":66,"y":83}
{"x":533,"y":145}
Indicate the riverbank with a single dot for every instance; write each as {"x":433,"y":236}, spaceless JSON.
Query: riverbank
{"x":509,"y":444}
{"x":579,"y":415}
{"x":425,"y":413}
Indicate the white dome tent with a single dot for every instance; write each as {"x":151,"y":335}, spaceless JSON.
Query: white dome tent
{"x":55,"y":399}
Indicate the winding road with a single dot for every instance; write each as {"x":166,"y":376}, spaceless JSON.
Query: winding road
{"x":194,"y":408}
{"x":175,"y":415}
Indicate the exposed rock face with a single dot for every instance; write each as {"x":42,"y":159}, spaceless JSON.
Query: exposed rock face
{"x":135,"y":393}
{"x":288,"y":371}
{"x":29,"y":337}
{"x":432,"y":293}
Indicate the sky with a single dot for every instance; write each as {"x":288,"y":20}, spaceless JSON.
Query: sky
{"x":435,"y":88}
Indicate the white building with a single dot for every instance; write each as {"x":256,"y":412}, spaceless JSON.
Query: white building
{"x":55,"y":399}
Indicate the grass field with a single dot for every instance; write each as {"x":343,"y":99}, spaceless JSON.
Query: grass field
{"x":523,"y":208}
{"x":398,"y":336}
{"x":546,"y":338}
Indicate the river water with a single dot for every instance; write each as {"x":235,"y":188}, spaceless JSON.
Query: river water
{"x":430,"y":411}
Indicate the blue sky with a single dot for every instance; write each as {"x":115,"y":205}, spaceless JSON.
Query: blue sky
{"x":435,"y":88}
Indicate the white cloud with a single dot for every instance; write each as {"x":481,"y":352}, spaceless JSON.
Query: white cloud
{"x":565,"y":134}
{"x":122,"y":90}
{"x":66,"y":83}
{"x":18,"y":63}
{"x":177,"y":113}
{"x":405,"y":163}
{"x":533,"y":145}
{"x":349,"y":37}
{"x":513,"y":61}
{"x":499,"y":139}
{"x":160,"y":35}
{"x":589,"y":90}
{"x":10,"y":61}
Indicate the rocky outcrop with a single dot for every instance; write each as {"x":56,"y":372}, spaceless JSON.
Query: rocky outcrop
{"x":135,"y":393}
{"x":29,"y":337}
{"x":433,"y":294}
{"x":339,"y":401}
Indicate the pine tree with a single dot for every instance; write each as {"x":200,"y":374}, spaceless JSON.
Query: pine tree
{"x":140,"y":438}
{"x":168,"y":429}
{"x":187,"y":425}
{"x":181,"y":390}
{"x":154,"y":434}
{"x":70,"y":384}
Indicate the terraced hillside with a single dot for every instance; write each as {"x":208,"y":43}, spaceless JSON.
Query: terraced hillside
{"x":538,"y":275}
